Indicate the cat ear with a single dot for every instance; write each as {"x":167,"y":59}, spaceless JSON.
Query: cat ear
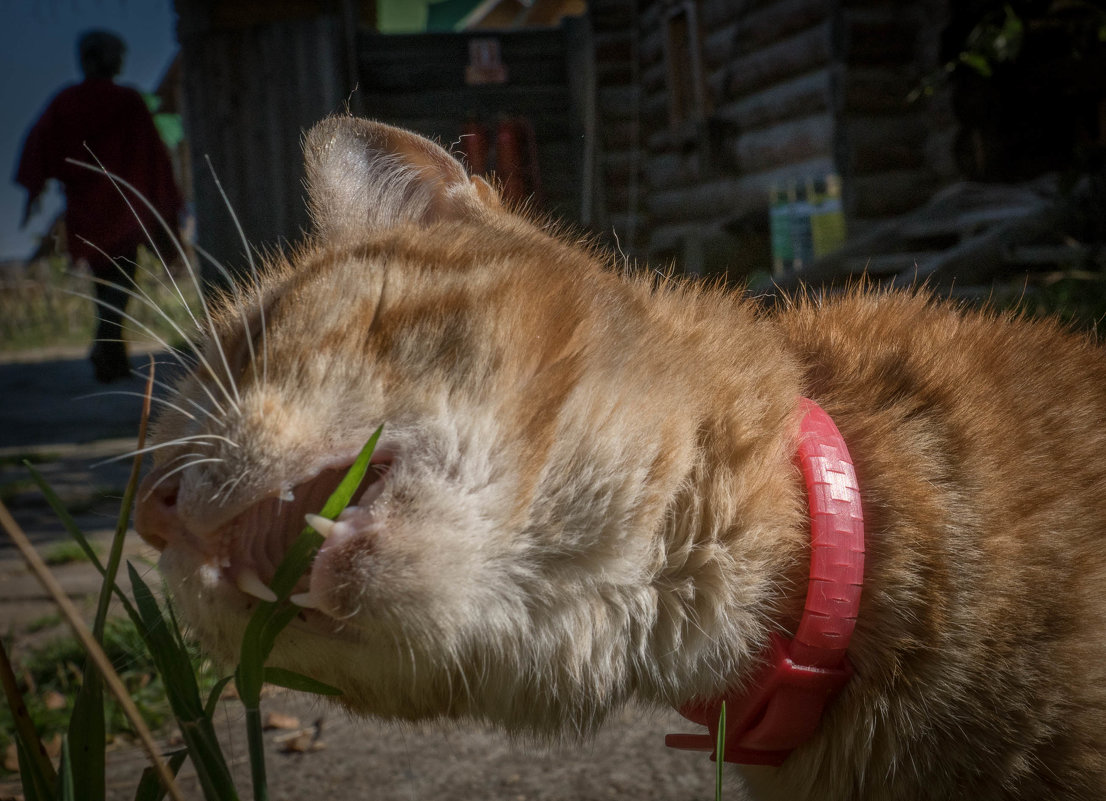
{"x":364,"y":176}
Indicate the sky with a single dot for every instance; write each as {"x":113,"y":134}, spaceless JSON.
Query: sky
{"x":38,"y":56}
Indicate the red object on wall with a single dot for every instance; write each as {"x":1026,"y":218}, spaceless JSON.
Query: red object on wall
{"x":516,"y":161}
{"x":509,"y":164}
{"x":474,"y":147}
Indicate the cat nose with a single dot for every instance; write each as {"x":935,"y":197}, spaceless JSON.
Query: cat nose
{"x":155,"y":516}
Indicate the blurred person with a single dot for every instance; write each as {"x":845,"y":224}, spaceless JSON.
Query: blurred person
{"x":98,"y":121}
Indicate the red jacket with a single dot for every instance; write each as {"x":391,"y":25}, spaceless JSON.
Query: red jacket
{"x":119,"y":131}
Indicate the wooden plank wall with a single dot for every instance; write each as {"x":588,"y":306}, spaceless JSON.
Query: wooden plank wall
{"x":768,"y":118}
{"x":250,"y":93}
{"x":620,"y":214}
{"x":417,"y":81}
{"x":894,"y":153}
{"x":792,"y":89}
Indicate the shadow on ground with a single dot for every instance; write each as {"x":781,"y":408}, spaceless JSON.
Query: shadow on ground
{"x":55,"y":400}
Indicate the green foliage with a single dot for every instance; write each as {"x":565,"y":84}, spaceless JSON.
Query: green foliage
{"x":44,"y":622}
{"x":169,"y":652}
{"x":62,"y":553}
{"x":53,"y":673}
{"x":44,"y":305}
{"x":1000,"y":31}
{"x":1077,"y":297}
{"x":161,"y":672}
{"x":996,"y":39}
{"x":269,"y":619}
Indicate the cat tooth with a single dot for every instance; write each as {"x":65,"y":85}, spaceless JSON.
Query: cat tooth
{"x":321,"y":524}
{"x":250,"y":583}
{"x":288,"y":496}
{"x":305,"y":600}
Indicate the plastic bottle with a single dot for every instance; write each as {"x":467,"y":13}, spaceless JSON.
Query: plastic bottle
{"x":828,"y":221}
{"x":802,"y":241}
{"x":779,"y":223}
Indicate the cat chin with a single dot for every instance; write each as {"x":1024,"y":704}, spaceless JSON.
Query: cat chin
{"x":473,"y":661}
{"x":410,"y":675}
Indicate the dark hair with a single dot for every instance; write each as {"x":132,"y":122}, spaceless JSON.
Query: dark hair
{"x":100,"y":54}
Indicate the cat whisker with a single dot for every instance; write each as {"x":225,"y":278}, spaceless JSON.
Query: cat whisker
{"x":173,"y":392}
{"x":161,"y":341}
{"x":179,"y":469}
{"x":141,"y":296}
{"x":227,"y":488}
{"x":119,"y":182}
{"x":182,"y":456}
{"x":111,"y":307}
{"x":155,"y":276}
{"x":129,"y":393}
{"x":253,"y":273}
{"x":143,"y":451}
{"x":196,"y":439}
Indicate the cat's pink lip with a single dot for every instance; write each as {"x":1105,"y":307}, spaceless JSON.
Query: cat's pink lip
{"x":258,"y":539}
{"x":247,"y":548}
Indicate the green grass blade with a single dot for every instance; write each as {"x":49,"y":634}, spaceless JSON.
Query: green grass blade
{"x":150,"y":787}
{"x":64,"y":517}
{"x":297,"y":681}
{"x":343,"y":495}
{"x":299,"y":556}
{"x":719,"y":753}
{"x":256,"y":745}
{"x":36,"y":786}
{"x":86,"y":738}
{"x":215,"y":694}
{"x":66,"y":777}
{"x":269,"y":619}
{"x":36,"y":772}
{"x":171,"y":657}
{"x":87,"y":725}
{"x":78,"y":536}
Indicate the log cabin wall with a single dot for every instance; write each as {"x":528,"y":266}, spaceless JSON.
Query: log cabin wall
{"x":619,"y":216}
{"x":418,"y":81}
{"x":707,"y":104}
{"x":258,"y":74}
{"x":253,"y":82}
{"x":895,"y":152}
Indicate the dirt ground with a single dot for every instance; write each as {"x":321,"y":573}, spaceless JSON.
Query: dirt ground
{"x":52,"y":412}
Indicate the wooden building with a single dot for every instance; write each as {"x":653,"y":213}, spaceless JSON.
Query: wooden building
{"x":705,"y":105}
{"x":662,"y":125}
{"x":259,"y":74}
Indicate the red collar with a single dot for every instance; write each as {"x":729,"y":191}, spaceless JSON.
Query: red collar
{"x":782,"y":705}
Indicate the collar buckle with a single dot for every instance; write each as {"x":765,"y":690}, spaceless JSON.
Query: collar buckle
{"x":782,"y":712}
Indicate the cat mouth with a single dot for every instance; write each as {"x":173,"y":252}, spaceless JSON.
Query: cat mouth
{"x":247,"y":549}
{"x":255,"y":542}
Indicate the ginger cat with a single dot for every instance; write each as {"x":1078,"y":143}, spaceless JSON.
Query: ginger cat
{"x":586,"y":491}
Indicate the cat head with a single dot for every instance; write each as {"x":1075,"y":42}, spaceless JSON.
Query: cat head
{"x":502,"y":558}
